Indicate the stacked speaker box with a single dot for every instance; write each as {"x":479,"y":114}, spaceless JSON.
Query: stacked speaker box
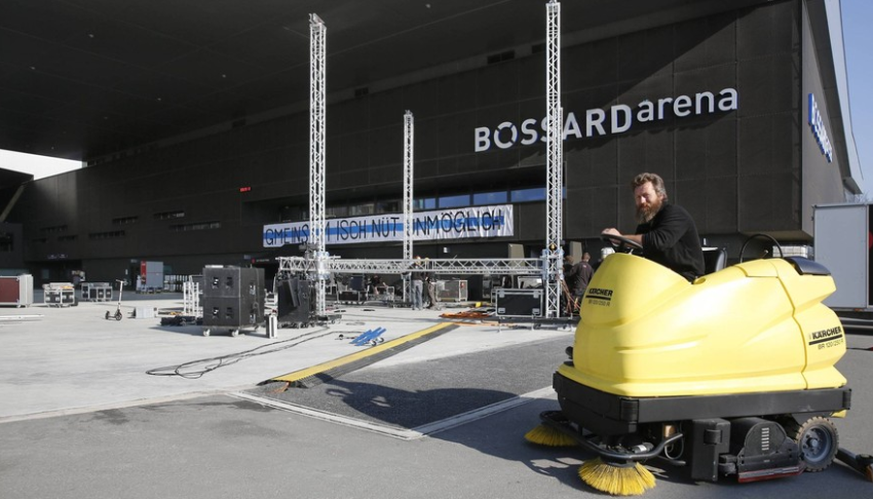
{"x":96,"y":291}
{"x":232,"y":297}
{"x":294,"y":301}
{"x":59,"y":294}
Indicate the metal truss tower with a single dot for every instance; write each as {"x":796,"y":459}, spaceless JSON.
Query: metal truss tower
{"x":408,"y":148}
{"x":317,"y":114}
{"x":553,"y":255}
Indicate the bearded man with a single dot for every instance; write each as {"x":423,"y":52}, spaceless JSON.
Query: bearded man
{"x":666,"y":231}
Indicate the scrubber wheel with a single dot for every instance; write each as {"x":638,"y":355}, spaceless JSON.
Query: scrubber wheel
{"x":818,"y":441}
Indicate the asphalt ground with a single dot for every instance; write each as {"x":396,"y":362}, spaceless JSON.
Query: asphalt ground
{"x":414,"y":395}
{"x":81,"y":418}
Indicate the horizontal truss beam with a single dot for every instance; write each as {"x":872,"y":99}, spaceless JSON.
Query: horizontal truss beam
{"x":511,"y":266}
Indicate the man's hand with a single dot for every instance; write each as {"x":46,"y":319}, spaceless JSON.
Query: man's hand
{"x":612,"y":232}
{"x":637,"y":238}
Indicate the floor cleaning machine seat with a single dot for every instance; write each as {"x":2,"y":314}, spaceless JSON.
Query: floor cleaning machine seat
{"x":732,"y":374}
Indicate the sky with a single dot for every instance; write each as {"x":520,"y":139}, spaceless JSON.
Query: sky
{"x":857,"y":38}
{"x":858,"y":42}
{"x":38,"y":166}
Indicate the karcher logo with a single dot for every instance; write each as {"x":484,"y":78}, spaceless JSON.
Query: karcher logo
{"x":599,"y":294}
{"x":825,"y":335}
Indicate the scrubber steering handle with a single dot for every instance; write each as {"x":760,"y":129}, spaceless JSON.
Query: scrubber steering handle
{"x":629,"y":243}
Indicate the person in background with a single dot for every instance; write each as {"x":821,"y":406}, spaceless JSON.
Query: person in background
{"x":604,"y":252}
{"x":417,"y":283}
{"x":377,"y":286}
{"x":431,"y":292}
{"x":578,"y":278}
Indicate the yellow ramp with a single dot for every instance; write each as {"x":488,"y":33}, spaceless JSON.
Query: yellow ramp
{"x":329,"y":370}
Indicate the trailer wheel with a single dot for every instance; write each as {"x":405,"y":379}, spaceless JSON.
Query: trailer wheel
{"x":818,"y":441}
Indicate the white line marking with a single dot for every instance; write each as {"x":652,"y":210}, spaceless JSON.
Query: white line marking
{"x":402,"y":433}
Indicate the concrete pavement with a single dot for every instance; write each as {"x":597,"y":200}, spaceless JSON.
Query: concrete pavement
{"x":80,"y":418}
{"x":68,"y":360}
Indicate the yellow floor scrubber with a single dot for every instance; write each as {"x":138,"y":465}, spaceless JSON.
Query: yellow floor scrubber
{"x":731,"y":375}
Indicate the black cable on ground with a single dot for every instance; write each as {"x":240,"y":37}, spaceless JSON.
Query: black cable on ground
{"x":187,"y":370}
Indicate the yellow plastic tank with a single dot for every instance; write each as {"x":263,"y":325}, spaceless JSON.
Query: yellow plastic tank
{"x":758,"y":326}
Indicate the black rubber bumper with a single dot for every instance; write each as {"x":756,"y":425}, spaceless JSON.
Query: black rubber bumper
{"x":608,"y":414}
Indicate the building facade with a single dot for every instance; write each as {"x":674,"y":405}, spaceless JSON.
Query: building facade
{"x":739,"y":112}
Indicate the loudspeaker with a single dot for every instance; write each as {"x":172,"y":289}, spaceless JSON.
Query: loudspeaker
{"x":233,"y":296}
{"x":294,"y":301}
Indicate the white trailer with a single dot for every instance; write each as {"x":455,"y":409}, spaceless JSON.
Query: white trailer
{"x":151,"y":277}
{"x":843,"y":237}
{"x":16,"y":290}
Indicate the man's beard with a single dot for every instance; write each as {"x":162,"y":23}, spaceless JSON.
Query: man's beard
{"x":645,"y":214}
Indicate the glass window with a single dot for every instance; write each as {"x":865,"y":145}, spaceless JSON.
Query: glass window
{"x":125,"y":220}
{"x":97,"y":236}
{"x":336,"y":211}
{"x":195,"y":226}
{"x":424,"y":204}
{"x":362,"y":209}
{"x":497,"y":197}
{"x":169,"y":215}
{"x":454,"y":201}
{"x":391,"y":206}
{"x":528,"y":195}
